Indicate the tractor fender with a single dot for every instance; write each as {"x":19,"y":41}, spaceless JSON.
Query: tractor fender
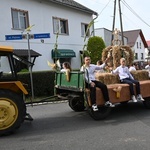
{"x":15,"y":86}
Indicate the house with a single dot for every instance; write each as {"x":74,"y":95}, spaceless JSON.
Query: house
{"x":46,"y":18}
{"x":137,"y":42}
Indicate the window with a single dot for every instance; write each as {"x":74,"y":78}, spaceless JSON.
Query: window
{"x":60,"y":26}
{"x":136,"y":55}
{"x":142,"y":56}
{"x":140,"y":45}
{"x":20,"y":19}
{"x":137,"y":44}
{"x":85,"y":30}
{"x":7,"y":70}
{"x":19,"y":65}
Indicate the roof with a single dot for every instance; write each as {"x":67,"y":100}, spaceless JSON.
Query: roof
{"x":148,"y":43}
{"x":24,"y":52}
{"x":132,"y":36}
{"x":6,"y":48}
{"x":74,"y":5}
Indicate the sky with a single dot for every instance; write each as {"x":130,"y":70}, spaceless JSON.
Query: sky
{"x":135,"y":14}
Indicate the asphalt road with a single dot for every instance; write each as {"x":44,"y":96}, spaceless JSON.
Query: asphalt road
{"x":57,"y":127}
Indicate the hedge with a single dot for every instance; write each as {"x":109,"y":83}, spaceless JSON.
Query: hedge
{"x":43,"y":82}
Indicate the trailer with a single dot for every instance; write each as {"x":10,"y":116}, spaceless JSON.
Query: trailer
{"x":79,"y":96}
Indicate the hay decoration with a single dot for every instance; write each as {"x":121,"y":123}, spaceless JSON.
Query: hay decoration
{"x":117,"y":51}
{"x":52,"y":65}
{"x":116,"y":40}
{"x":55,"y":66}
{"x":117,"y":90}
{"x":114,"y":53}
{"x":68,"y":75}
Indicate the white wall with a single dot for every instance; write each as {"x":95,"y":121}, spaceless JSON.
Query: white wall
{"x":40,"y":14}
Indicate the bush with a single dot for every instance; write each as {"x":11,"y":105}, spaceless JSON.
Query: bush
{"x":95,"y":47}
{"x":43,"y":82}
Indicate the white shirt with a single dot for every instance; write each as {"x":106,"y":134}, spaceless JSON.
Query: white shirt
{"x":132,"y":68}
{"x":123,"y":72}
{"x":90,"y":71}
{"x":147,"y":67}
{"x":63,"y":70}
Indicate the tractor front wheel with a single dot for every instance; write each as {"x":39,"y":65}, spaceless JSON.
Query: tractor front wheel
{"x":12,"y":111}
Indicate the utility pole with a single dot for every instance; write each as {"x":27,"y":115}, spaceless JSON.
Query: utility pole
{"x":114,"y":17}
{"x":120,"y":14}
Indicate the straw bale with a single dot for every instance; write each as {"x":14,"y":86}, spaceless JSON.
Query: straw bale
{"x":107,"y":78}
{"x":140,"y":75}
{"x":100,"y":77}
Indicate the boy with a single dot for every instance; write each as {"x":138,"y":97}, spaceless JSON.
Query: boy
{"x":89,"y":70}
{"x":126,"y":77}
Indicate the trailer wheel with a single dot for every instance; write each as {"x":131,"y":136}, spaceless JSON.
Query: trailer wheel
{"x":124,"y":103}
{"x":101,"y":114}
{"x":12,"y":111}
{"x":76,"y":103}
{"x":147,"y":102}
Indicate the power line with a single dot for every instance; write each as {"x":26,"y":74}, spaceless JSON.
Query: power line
{"x":125,"y":4}
{"x":104,"y":7}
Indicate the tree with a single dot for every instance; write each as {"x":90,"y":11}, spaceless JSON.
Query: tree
{"x":95,"y":47}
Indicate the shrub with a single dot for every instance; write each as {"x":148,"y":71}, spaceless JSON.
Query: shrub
{"x":43,"y":82}
{"x":95,"y":47}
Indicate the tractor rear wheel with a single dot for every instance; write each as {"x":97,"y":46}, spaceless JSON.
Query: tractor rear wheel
{"x":76,"y":103}
{"x":12,"y":111}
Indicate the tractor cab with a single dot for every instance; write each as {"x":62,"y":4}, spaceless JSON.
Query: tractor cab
{"x":7,"y":67}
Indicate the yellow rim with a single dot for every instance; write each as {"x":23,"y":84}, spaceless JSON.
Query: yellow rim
{"x":8,"y":113}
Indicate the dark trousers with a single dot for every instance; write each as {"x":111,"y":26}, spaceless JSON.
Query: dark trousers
{"x":103,"y":88}
{"x":130,"y":82}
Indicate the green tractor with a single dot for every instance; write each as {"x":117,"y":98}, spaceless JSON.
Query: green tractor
{"x":12,"y":91}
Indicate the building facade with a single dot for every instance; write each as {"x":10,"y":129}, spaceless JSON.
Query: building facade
{"x":137,"y":42}
{"x":64,"y":21}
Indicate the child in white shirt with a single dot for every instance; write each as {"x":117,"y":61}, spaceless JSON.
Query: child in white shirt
{"x":126,"y":77}
{"x":132,"y":67}
{"x":66,"y":66}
